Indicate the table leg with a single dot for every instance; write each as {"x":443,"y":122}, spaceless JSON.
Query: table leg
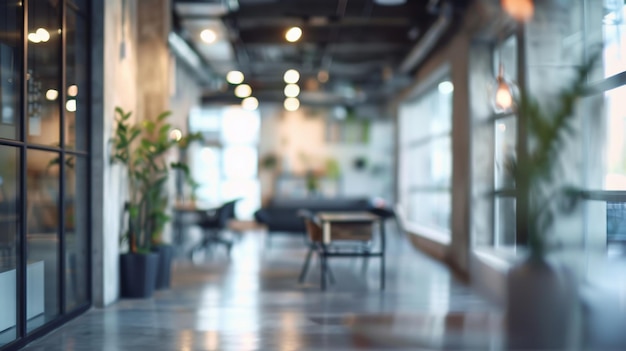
{"x":323,"y":273}
{"x":382,"y":256}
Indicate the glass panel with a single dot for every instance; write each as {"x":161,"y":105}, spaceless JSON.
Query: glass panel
{"x":10,"y":69}
{"x":614,"y":37}
{"x":240,"y":126}
{"x":506,"y":53}
{"x":44,"y":44}
{"x":430,"y":164}
{"x":80,"y":5}
{"x":76,"y":215}
{"x":430,"y":209}
{"x":504,"y":226}
{"x":240,"y":162}
{"x":42,"y":237}
{"x":206,"y":171}
{"x":615,"y":111}
{"x":429,"y":115}
{"x":76,"y":107}
{"x":505,"y":152}
{"x":249,"y":191}
{"x":9,"y":229}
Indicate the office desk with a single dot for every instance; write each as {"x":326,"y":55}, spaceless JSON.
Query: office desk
{"x":351,"y":227}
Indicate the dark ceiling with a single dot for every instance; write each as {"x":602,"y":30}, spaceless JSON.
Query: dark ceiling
{"x":360,"y":43}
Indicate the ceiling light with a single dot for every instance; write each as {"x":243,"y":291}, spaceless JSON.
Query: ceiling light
{"x":292,"y":90}
{"x":503,"y":99}
{"x":291,"y":76}
{"x":39,"y":36}
{"x":208,"y":36}
{"x":72,"y":90}
{"x":70,"y":105}
{"x":250,"y":103}
{"x":52,"y":94}
{"x":43,"y":34}
{"x":176,"y":135}
{"x":521,"y":10}
{"x":293,"y":34}
{"x":446,"y":87}
{"x":34,"y":38}
{"x":322,"y":76}
{"x":291,"y":104}
{"x":234,"y":77}
{"x":243,"y":90}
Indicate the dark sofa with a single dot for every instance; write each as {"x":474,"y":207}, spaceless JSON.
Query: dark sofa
{"x":281,"y":215}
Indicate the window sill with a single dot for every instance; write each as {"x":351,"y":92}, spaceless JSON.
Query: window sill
{"x":498,"y":258}
{"x":437,"y":236}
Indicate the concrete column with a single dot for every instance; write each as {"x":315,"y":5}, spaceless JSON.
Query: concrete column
{"x":153,"y":70}
{"x":461,"y":179}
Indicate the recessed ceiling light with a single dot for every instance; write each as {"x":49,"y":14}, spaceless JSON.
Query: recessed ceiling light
{"x":250,"y":103}
{"x":208,"y":36}
{"x":243,"y":90}
{"x":52,"y":94}
{"x":72,"y":90}
{"x":234,"y":77}
{"x":291,"y":104}
{"x":293,"y":34}
{"x":70,"y":105}
{"x":291,"y":76}
{"x":292,"y":90}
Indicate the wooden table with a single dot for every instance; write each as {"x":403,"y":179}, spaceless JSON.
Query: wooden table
{"x":328,"y":219}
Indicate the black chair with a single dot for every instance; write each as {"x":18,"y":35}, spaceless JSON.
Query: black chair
{"x":213,"y":223}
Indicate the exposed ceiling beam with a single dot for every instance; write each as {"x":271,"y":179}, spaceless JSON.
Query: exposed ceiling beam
{"x":283,"y":21}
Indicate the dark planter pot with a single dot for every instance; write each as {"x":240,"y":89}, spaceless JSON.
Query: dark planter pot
{"x":541,"y":309}
{"x":163,"y":278}
{"x":138,"y":274}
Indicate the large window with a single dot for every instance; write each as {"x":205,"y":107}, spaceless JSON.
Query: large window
{"x":593,"y":159}
{"x":505,"y":149}
{"x":226,"y":166}
{"x":426,"y":158}
{"x":44,"y":190}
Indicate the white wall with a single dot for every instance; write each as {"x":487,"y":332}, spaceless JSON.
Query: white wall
{"x":119,"y":61}
{"x":118,"y":82}
{"x":303,"y":132}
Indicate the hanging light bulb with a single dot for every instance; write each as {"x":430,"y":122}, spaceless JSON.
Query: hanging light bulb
{"x":521,"y":10}
{"x":503,"y":99}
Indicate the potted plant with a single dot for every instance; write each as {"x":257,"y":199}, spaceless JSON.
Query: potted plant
{"x":142,"y":149}
{"x":540,"y":298}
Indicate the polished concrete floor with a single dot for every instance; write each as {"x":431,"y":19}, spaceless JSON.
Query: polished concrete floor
{"x":252,"y":301}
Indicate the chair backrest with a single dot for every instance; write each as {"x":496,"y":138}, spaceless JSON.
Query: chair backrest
{"x":313,"y":230}
{"x":226,"y":212}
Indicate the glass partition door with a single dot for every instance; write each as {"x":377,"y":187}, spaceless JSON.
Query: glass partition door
{"x":44,"y":177}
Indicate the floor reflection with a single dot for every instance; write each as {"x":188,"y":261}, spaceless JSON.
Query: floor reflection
{"x":252,"y":301}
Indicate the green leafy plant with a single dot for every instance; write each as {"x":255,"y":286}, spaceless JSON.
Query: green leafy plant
{"x":535,"y":172}
{"x":142,"y":149}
